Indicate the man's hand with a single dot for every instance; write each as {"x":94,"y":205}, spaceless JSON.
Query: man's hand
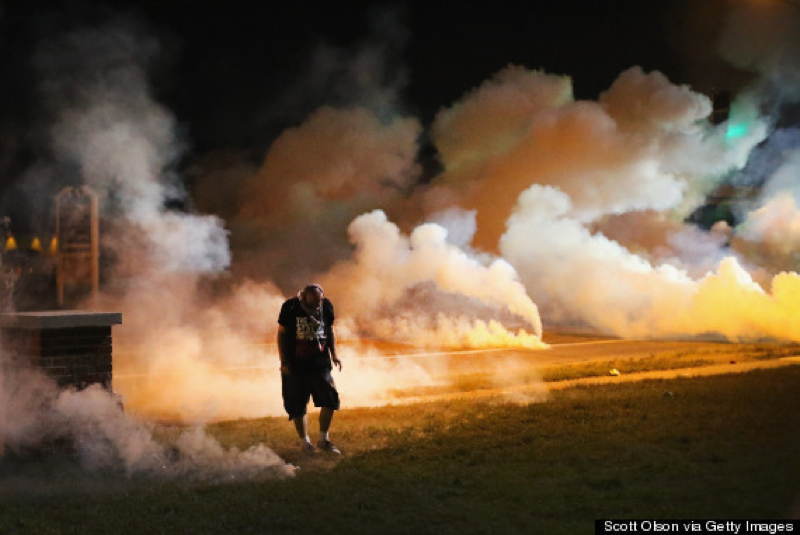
{"x":336,"y":361}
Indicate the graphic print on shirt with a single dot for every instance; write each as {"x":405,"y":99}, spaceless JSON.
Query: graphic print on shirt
{"x":309,"y":330}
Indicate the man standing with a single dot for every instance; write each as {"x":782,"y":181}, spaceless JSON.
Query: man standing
{"x":307,"y":346}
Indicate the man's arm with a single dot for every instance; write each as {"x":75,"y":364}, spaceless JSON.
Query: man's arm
{"x":283,"y":348}
{"x":331,"y":334}
{"x":332,"y":345}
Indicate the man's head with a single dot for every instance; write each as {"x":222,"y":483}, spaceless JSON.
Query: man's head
{"x":311,"y":295}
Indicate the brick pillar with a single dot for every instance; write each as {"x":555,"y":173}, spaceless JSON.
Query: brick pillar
{"x":73,"y":347}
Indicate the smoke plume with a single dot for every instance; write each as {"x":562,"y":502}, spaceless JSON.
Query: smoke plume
{"x":577,"y":209}
{"x":387,"y":265}
{"x":35,"y":413}
{"x":123,"y":144}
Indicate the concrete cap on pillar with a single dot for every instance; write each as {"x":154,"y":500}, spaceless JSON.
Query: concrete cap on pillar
{"x":59,"y":319}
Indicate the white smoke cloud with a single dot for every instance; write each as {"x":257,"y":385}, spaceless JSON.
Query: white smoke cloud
{"x":578,"y":276}
{"x":315,"y":178}
{"x":589,"y":279}
{"x":644,"y":145}
{"x":197,"y":343}
{"x":124,"y":145}
{"x":632,"y":165}
{"x":387,"y":264}
{"x":775,"y":226}
{"x":34,"y":412}
{"x":641,"y":101}
{"x":661,"y":238}
{"x":492,"y":118}
{"x":770,"y":231}
{"x":527,"y":170}
{"x":459,"y":224}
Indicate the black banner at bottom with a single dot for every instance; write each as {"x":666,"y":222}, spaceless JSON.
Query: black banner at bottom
{"x":717,"y":526}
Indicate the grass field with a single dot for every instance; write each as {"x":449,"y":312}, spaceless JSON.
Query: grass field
{"x":722,"y":446}
{"x":563,"y":363}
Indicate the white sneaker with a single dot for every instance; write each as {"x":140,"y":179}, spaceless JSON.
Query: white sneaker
{"x":330,"y":447}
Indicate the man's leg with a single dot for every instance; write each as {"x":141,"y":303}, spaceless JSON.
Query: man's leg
{"x":325,"y":417}
{"x":327,"y":399}
{"x":295,"y":399}
{"x":301,"y":426}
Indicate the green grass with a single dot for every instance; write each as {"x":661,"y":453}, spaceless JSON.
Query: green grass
{"x":630,"y":365}
{"x":671,"y":360}
{"x":466,"y":382}
{"x":597,"y":368}
{"x":722,"y":446}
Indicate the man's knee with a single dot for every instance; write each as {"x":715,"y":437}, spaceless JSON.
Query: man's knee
{"x":295,"y":406}
{"x":295,"y":414}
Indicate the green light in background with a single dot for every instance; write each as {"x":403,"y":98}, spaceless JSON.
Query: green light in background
{"x":736,"y":130}
{"x":743,"y":118}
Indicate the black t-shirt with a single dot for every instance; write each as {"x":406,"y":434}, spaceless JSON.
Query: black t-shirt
{"x":308,"y":337}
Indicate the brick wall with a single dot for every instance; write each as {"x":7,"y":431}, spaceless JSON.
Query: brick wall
{"x":75,"y":356}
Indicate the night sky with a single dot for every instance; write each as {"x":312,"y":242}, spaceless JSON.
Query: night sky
{"x":236,"y":75}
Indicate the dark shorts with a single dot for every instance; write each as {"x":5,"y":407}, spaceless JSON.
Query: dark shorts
{"x":298,"y":387}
